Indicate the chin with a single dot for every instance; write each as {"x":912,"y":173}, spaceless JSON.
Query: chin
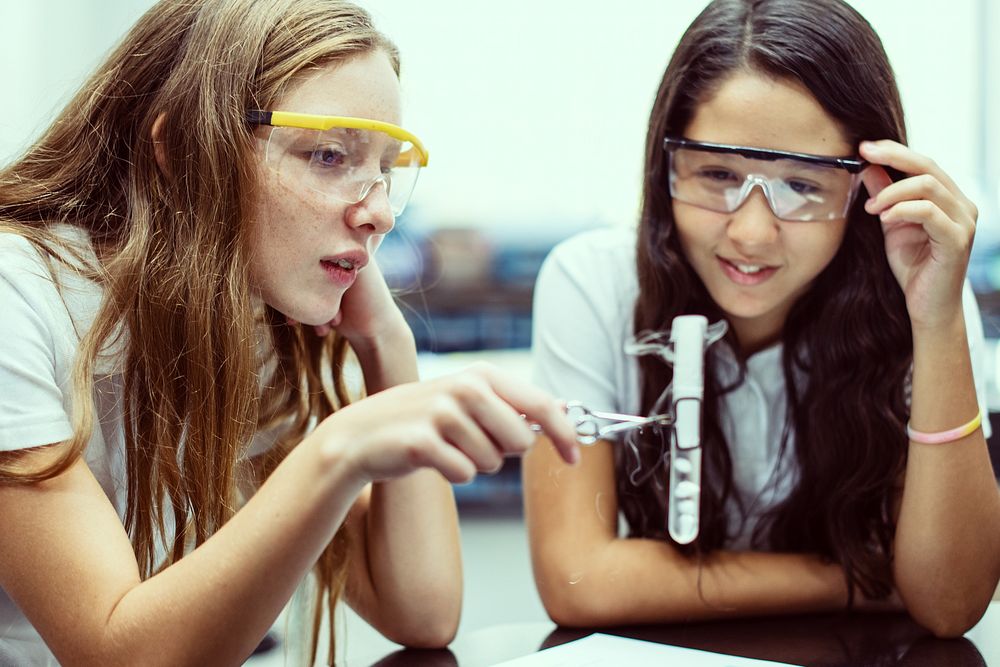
{"x":741,"y":309}
{"x":316,"y":319}
{"x":744,"y":313}
{"x":308,"y":314}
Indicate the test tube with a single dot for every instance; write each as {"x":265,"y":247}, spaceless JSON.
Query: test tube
{"x":687,"y":333}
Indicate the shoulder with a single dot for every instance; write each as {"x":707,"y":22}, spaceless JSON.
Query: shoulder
{"x":47,"y":301}
{"x":598,"y":250}
{"x":17,"y":253}
{"x":24,"y":271}
{"x":582,"y":317}
{"x":46,"y":283}
{"x":599,"y":262}
{"x":24,"y":260}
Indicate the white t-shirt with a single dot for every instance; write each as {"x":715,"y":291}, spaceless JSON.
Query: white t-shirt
{"x":40,"y":330}
{"x":583,"y":316}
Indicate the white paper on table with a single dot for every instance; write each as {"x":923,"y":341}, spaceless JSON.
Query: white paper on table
{"x":598,"y":650}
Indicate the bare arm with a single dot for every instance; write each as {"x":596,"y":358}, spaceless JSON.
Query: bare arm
{"x":588,"y":576}
{"x":406,"y":567}
{"x":406,"y":574}
{"x":66,"y":561}
{"x":947,"y":543}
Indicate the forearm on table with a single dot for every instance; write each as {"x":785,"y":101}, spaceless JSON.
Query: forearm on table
{"x":628,"y":581}
{"x":413,"y":560}
{"x":410,"y":587}
{"x":214,"y":605}
{"x":947,"y":543}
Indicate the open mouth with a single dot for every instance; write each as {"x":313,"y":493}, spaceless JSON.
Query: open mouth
{"x":345,"y":264}
{"x":745,"y":273}
{"x":748,"y":269}
{"x":342,"y":271}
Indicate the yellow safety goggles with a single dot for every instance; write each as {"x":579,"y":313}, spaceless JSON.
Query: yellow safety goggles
{"x":343,"y":157}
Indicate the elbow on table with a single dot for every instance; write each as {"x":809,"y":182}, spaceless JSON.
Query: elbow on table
{"x":948,"y":621}
{"x":426,"y":635}
{"x":572,"y":605}
{"x":435,"y":626}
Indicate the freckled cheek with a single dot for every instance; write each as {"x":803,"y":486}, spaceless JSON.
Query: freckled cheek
{"x":295,"y":202}
{"x":292,"y":224}
{"x":274,"y":242}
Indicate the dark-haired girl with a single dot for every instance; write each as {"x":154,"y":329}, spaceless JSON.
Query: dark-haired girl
{"x":844,"y":455}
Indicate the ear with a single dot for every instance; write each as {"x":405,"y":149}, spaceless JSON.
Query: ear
{"x":159,"y":152}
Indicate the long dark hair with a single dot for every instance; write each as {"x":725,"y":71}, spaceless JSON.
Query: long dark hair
{"x":847,"y":342}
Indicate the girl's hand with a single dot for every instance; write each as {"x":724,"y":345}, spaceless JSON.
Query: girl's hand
{"x":928,"y":225}
{"x":367,"y":310}
{"x":457,"y":425}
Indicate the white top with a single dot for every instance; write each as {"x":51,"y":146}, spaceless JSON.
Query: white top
{"x":583,"y":313}
{"x":40,"y":329}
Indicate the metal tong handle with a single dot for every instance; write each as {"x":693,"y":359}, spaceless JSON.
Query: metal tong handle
{"x":589,"y":431}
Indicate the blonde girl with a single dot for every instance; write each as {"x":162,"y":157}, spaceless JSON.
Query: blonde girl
{"x":185,"y":261}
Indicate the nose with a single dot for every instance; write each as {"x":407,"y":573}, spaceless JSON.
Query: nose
{"x":373,"y":211}
{"x":753,"y":223}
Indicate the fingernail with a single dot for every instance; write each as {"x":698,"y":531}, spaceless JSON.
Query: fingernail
{"x":574,"y":455}
{"x":868,"y":146}
{"x":870,"y":205}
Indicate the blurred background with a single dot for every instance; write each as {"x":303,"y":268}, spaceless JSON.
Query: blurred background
{"x":535,"y":114}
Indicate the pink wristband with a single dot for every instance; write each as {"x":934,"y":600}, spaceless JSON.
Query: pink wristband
{"x":945,"y":436}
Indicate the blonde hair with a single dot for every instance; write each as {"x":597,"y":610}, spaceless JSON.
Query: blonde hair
{"x":174,"y":248}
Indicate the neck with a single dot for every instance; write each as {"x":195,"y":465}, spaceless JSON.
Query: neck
{"x":757,"y":333}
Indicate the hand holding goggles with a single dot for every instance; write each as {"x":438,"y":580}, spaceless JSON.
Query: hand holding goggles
{"x":798,"y":186}
{"x":342,"y":157}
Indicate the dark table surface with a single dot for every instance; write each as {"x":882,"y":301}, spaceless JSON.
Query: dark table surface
{"x":823,"y":640}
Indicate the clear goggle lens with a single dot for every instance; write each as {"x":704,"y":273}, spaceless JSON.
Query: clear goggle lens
{"x":796,"y":190}
{"x":345,"y":164}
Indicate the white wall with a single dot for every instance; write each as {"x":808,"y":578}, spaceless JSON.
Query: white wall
{"x":936,"y":48}
{"x":990,"y":120}
{"x":535,"y":110}
{"x":47,"y":49}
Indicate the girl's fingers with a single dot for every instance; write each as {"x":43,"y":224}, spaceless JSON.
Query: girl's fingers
{"x":538,"y":407}
{"x":941,"y":229}
{"x":875,"y":179}
{"x":453,"y":465}
{"x":919,"y":188}
{"x":509,"y":431}
{"x":326,"y":329}
{"x":902,"y":158}
{"x":466,"y":436}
